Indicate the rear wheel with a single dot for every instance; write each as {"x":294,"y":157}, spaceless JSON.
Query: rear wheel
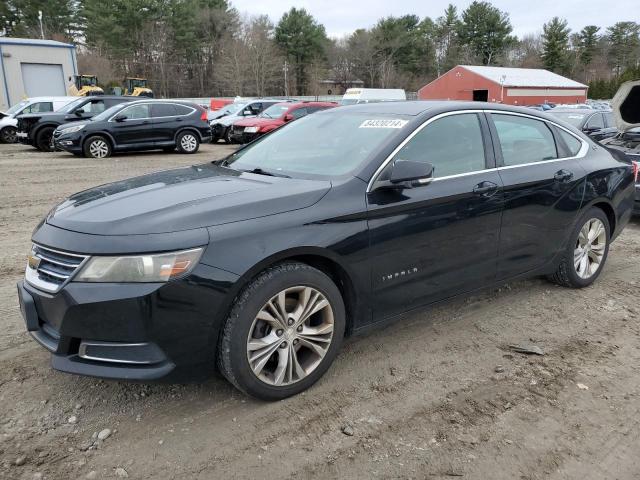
{"x":587,"y":251}
{"x":97,"y":147}
{"x":44,"y":139}
{"x":283,"y":332}
{"x":188,"y":142}
{"x":8,"y":135}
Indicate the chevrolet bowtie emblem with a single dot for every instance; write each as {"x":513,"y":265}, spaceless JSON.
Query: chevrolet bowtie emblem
{"x":33,"y":261}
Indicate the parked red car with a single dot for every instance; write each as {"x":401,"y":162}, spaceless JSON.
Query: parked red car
{"x":247,"y":130}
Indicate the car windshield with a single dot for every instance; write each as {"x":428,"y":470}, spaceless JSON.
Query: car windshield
{"x":107,"y":113}
{"x":274,"y":111}
{"x":573,"y":118}
{"x":70,"y":106}
{"x":327,"y":144}
{"x":17,"y":107}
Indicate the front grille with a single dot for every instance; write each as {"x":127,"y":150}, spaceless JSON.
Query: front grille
{"x":50,"y":269}
{"x":238,"y":130}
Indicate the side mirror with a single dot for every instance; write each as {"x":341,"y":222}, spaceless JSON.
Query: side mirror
{"x":288,"y":117}
{"x":408,"y":174}
{"x":247,"y":112}
{"x":79,"y":112}
{"x":120,"y":118}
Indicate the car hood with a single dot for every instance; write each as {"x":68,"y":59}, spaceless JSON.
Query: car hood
{"x":626,"y":106}
{"x":258,"y":122}
{"x":73,"y":124}
{"x":183,"y":199}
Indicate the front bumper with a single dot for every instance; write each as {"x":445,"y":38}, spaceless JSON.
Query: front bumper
{"x":243,"y":137}
{"x":70,"y":143}
{"x":140,"y":332}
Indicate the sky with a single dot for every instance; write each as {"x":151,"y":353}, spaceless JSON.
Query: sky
{"x":343,"y":17}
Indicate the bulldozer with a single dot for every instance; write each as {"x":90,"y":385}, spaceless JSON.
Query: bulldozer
{"x":84,"y":85}
{"x":137,"y":87}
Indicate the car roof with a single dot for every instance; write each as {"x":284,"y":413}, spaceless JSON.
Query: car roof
{"x":163,"y":100}
{"x":308,"y":104}
{"x":583,"y":111}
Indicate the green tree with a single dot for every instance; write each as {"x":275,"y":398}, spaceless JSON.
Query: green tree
{"x":555,"y":45}
{"x":446,"y":40}
{"x":486,"y":31}
{"x":623,"y":38}
{"x":588,"y":38}
{"x":303,"y":40}
{"x":19,"y":18}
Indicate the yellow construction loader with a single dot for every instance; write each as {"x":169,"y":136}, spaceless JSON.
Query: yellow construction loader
{"x":84,"y":85}
{"x":137,"y":87}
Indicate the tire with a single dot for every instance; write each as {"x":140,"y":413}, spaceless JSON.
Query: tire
{"x":43,"y":139}
{"x":325,"y":328}
{"x":226,"y":136}
{"x":8,"y":135}
{"x":187,"y":142}
{"x":581,"y":272}
{"x":97,"y":147}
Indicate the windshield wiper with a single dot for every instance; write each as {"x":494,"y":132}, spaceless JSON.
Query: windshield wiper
{"x":261,"y":171}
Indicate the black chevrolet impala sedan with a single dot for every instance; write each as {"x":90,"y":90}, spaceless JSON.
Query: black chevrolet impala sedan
{"x":259,"y":265}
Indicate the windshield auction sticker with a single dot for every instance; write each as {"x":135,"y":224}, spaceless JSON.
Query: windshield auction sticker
{"x":384,"y":123}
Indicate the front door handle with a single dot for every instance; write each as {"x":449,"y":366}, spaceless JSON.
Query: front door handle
{"x":563,"y":175}
{"x":485,"y":189}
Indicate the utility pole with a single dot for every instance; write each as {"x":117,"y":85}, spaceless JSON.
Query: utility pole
{"x":40,"y":19}
{"x":286,"y":83}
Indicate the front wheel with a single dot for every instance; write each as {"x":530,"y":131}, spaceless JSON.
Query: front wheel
{"x":44,"y":139}
{"x":8,"y":135}
{"x":283,"y":332}
{"x":587,"y":251}
{"x":97,"y":147}
{"x":187,"y":142}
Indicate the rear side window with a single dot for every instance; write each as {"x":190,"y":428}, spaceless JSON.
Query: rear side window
{"x":452,"y":144}
{"x":524,"y":140}
{"x":163,"y":110}
{"x":596,"y":121}
{"x":572,"y":143}
{"x":183,"y":110}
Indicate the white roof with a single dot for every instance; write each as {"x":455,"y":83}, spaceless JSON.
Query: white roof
{"x":523,"y":77}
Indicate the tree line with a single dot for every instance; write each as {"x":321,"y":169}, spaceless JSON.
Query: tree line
{"x":207,"y":48}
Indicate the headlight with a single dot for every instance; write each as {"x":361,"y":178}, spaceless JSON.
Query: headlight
{"x":139,"y":268}
{"x":251,"y":129}
{"x":76,"y":128}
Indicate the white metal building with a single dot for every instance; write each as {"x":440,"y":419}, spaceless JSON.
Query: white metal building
{"x":34,"y":68}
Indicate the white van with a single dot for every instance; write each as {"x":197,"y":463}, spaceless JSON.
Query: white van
{"x":8,"y":121}
{"x":371,"y":95}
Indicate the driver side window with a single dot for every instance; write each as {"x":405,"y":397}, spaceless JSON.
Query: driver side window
{"x":452,"y":144}
{"x":136,"y":112}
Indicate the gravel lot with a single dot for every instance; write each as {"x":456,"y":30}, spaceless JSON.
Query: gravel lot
{"x":437,"y":395}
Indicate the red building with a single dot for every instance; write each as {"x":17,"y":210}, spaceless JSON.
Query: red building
{"x":513,"y":86}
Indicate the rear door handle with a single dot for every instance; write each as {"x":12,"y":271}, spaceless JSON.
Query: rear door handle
{"x":485,"y":189}
{"x":563,"y":176}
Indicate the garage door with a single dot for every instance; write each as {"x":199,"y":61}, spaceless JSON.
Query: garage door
{"x":42,"y":79}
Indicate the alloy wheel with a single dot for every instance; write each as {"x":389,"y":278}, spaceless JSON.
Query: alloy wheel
{"x":99,"y":149}
{"x":590,"y":248}
{"x":290,"y":336}
{"x":188,"y":143}
{"x":9,"y":135}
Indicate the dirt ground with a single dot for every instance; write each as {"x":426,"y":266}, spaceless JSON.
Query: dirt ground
{"x":437,"y":395}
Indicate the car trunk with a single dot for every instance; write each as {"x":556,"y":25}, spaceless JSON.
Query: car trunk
{"x":626,"y":106}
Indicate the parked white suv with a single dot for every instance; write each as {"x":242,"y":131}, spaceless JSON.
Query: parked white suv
{"x":8,"y":120}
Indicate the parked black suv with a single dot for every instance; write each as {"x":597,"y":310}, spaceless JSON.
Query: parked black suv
{"x":140,"y":125}
{"x":36,"y":129}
